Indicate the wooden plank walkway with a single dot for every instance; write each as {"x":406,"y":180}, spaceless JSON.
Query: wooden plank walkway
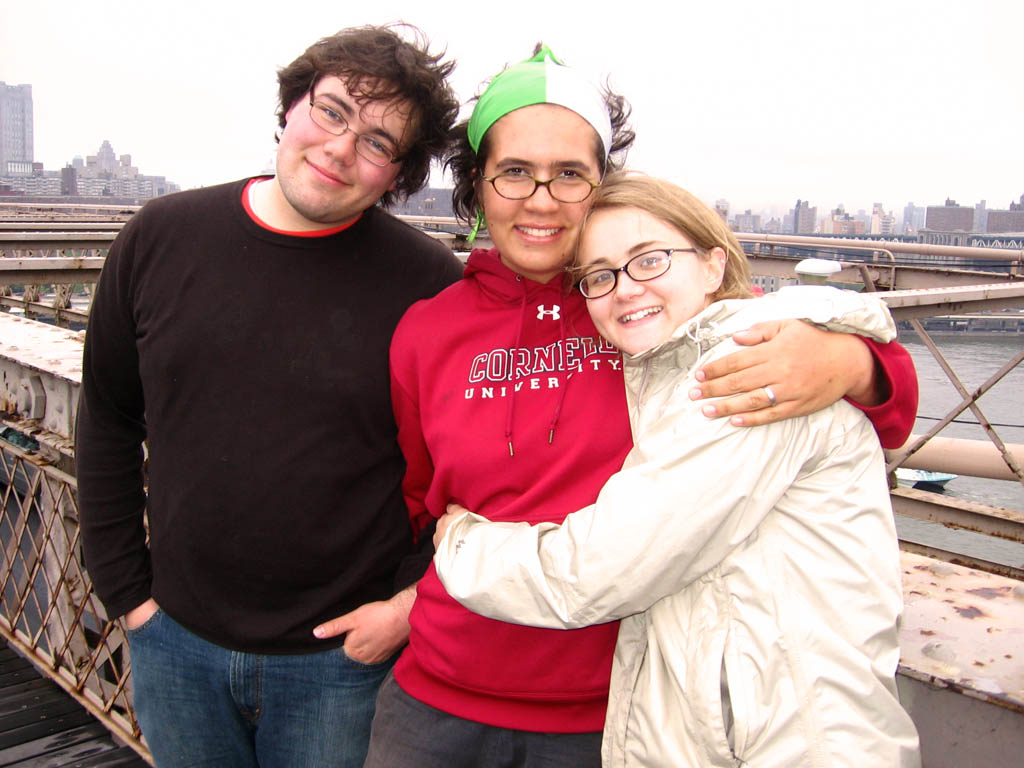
{"x":43,"y":727}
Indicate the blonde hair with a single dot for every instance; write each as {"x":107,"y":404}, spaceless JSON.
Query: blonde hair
{"x":675,"y":206}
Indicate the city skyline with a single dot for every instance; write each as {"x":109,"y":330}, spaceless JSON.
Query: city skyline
{"x":760,"y":103}
{"x":100,"y":174}
{"x":774,"y":219}
{"x":107,"y":173}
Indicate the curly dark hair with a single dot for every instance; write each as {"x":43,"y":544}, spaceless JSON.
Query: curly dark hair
{"x":467,"y":166}
{"x":376,"y":63}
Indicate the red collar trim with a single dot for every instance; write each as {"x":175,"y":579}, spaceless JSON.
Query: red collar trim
{"x":265,"y":225}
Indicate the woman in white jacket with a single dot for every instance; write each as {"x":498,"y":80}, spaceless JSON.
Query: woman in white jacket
{"x":759,"y":606}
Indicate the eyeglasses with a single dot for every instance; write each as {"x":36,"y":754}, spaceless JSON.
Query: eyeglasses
{"x":642,"y":267}
{"x":516,"y":185}
{"x":331,"y":120}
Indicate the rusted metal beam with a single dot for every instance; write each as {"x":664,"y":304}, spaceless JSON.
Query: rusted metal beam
{"x":959,"y":513}
{"x":49,"y":241}
{"x":61,"y":226}
{"x":105,"y":209}
{"x":63,"y":315}
{"x":961,"y":626}
{"x":962,"y":559}
{"x":50,"y":270}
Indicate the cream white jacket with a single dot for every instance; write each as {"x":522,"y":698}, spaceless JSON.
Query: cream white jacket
{"x":755,"y":569}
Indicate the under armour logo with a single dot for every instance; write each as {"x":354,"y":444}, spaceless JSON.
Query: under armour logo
{"x":554,"y":312}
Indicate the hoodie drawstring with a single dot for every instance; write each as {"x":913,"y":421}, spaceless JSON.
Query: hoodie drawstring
{"x":563,"y":388}
{"x":515,"y":351}
{"x":510,"y":411}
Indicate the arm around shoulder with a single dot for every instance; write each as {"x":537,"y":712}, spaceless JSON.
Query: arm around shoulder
{"x":658,"y":524}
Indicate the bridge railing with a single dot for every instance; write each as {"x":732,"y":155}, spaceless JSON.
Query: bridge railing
{"x":994,"y":457}
{"x":47,"y":606}
{"x":48,"y":609}
{"x":917,"y":295}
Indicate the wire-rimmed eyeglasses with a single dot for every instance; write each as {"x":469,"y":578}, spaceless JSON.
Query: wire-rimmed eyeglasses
{"x":565,"y":188}
{"x":642,"y":267}
{"x":369,"y":147}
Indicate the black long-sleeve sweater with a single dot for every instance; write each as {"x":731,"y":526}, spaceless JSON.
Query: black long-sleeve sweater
{"x":254,"y":364}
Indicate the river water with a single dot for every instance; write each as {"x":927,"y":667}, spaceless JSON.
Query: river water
{"x":974,"y":358}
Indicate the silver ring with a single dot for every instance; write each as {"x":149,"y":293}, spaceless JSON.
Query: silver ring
{"x":770,"y":395}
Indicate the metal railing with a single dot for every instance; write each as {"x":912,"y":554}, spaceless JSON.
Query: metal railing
{"x":48,"y":610}
{"x":942,"y":292}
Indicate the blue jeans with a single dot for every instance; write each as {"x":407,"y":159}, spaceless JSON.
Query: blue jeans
{"x":202,"y":705}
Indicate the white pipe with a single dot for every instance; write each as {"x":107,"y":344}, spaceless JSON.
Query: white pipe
{"x":977,"y":458}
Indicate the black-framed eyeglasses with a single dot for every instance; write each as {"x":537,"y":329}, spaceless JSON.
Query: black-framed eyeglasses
{"x":369,"y":147}
{"x":515,"y":185}
{"x":642,"y":267}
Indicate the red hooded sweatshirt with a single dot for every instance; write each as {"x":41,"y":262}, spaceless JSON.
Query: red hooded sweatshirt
{"x":509,"y":402}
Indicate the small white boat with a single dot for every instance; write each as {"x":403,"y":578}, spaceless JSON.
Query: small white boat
{"x":924,"y":479}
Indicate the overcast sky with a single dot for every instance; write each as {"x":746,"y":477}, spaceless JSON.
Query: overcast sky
{"x":759,"y":103}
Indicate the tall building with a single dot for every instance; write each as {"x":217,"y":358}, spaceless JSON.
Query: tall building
{"x":104,"y":162}
{"x":804,"y":218}
{"x":1001,"y":222}
{"x":1010,"y":220}
{"x":882,"y":223}
{"x":68,"y":181}
{"x":949,"y":217}
{"x":722,"y":209}
{"x":16,"y":130}
{"x":913,"y":219}
{"x":980,"y":218}
{"x":747,"y":222}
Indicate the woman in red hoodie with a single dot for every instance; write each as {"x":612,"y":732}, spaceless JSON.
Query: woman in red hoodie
{"x":510,"y":403}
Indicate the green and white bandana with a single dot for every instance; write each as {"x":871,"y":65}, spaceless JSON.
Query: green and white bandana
{"x":541,"y":79}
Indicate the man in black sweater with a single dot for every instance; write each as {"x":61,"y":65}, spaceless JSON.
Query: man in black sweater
{"x":241,"y":331}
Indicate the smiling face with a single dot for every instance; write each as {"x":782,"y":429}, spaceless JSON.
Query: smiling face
{"x":639,"y":315}
{"x":321,"y":180}
{"x":535,"y":236}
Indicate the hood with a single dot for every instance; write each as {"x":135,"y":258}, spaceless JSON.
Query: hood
{"x":501,"y":284}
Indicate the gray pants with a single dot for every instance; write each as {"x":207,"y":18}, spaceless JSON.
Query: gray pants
{"x":410,"y":734}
